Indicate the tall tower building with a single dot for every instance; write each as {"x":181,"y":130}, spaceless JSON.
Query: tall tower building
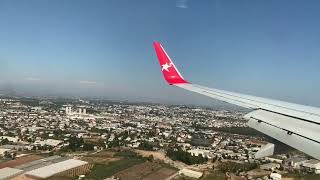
{"x":68,"y":110}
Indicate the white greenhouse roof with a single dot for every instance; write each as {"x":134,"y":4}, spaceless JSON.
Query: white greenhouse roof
{"x":56,"y":168}
{"x":8,"y":172}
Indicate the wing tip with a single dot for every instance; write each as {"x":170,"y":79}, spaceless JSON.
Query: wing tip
{"x":170,"y":73}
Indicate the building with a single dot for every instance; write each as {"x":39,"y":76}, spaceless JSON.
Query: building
{"x":203,"y":153}
{"x":8,"y":173}
{"x":56,"y":168}
{"x":275,"y":176}
{"x":312,"y":165}
{"x":270,"y":166}
{"x":273,"y":160}
{"x":49,"y":142}
{"x":266,"y":150}
{"x":295,"y":161}
{"x":3,"y":151}
{"x":68,"y":109}
{"x":11,"y":139}
{"x":191,"y":173}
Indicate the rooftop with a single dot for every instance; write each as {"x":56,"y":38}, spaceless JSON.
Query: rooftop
{"x":56,"y":168}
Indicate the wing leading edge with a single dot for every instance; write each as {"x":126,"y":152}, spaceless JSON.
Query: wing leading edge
{"x":293,"y":124}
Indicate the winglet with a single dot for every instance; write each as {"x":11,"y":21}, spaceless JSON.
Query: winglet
{"x":170,"y":73}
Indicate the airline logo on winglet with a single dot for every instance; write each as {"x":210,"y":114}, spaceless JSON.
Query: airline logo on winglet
{"x":166,"y":66}
{"x":169,"y":70}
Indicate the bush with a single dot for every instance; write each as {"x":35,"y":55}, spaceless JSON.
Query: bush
{"x":146,"y":146}
{"x":185,"y":157}
{"x":127,"y":154}
{"x":236,"y":167}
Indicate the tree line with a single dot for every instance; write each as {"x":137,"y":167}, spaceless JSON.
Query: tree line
{"x":185,"y":157}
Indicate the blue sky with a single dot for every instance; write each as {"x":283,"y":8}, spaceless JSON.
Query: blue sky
{"x":268,"y":48}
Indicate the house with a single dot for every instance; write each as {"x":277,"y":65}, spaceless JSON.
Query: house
{"x":3,"y":151}
{"x":270,"y":166}
{"x":11,"y":139}
{"x":312,"y":165}
{"x":295,"y":161}
{"x":275,"y":176}
{"x":275,"y":160}
{"x":49,"y":142}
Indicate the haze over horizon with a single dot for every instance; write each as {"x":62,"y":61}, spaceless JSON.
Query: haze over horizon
{"x":104,"y":48}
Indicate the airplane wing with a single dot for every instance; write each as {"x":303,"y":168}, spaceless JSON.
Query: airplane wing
{"x":293,"y":124}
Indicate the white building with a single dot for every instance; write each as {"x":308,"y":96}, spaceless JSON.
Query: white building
{"x":313,"y":165}
{"x":53,"y":169}
{"x":270,"y":166}
{"x":295,"y":161}
{"x":3,"y":151}
{"x":273,"y":160}
{"x":49,"y":142}
{"x":7,"y":172}
{"x":204,"y":153}
{"x":68,"y":109}
{"x":191,"y":173}
{"x":11,"y":139}
{"x":275,"y":176}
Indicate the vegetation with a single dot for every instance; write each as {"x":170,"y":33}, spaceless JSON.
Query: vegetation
{"x":215,"y":175}
{"x":78,"y":144}
{"x":200,"y":142}
{"x":88,"y":147}
{"x":127,"y":154}
{"x":146,"y":146}
{"x":236,"y":167}
{"x":185,"y":157}
{"x":4,"y":141}
{"x":239,"y":130}
{"x":232,"y":130}
{"x":302,"y":176}
{"x":101,"y":171}
{"x":129,"y":159}
{"x":75,"y":143}
{"x":96,"y":130}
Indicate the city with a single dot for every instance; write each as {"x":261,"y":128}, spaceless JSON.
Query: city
{"x":159,"y":90}
{"x":87,"y":137}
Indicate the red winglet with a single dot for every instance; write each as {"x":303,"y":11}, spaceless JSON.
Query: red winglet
{"x":169,"y":70}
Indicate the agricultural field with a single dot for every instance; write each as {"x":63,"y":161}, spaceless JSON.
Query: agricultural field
{"x":19,"y":161}
{"x":107,"y":163}
{"x":101,"y":171}
{"x":102,"y":157}
{"x":147,"y":171}
{"x":126,"y":164}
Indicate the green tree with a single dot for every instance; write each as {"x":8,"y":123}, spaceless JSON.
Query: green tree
{"x":4,"y":141}
{"x":88,"y":147}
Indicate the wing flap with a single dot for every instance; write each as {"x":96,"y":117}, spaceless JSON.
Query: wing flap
{"x":294,"y":140}
{"x":306,"y":129}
